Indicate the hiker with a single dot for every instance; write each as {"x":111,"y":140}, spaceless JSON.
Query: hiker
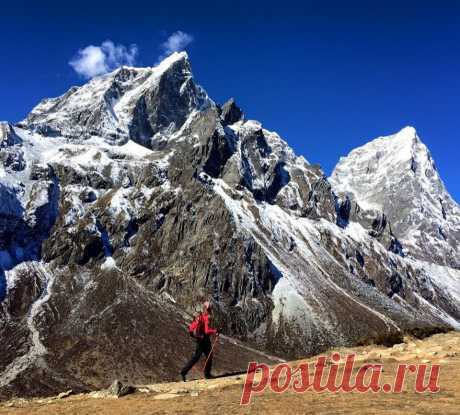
{"x":200,"y":330}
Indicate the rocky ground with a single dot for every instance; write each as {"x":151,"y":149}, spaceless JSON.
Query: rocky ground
{"x":222,"y":395}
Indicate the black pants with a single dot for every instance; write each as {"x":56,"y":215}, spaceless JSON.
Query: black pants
{"x":203,"y":347}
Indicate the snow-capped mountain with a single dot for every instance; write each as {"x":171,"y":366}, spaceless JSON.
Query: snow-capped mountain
{"x":143,"y":104}
{"x":397,"y":175}
{"x":127,"y":201}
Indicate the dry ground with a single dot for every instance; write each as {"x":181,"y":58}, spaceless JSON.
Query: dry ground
{"x":222,"y":396}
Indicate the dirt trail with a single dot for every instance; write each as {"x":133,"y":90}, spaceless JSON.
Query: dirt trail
{"x":222,"y":395}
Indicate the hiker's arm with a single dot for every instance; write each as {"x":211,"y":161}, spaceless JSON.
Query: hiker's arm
{"x":208,"y":330}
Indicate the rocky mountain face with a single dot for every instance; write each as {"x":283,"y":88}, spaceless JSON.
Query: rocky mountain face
{"x":396,"y":175}
{"x":127,"y":201}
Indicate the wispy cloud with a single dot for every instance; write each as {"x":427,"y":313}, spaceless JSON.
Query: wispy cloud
{"x":97,"y":60}
{"x":175,"y":43}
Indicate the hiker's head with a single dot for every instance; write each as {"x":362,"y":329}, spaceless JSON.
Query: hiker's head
{"x":207,"y":307}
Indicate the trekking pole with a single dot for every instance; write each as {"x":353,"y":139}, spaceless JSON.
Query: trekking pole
{"x":210,"y":354}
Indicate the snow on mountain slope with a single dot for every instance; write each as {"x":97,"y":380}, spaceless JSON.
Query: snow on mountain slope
{"x":143,"y":104}
{"x":397,"y":175}
{"x":314,"y":257}
{"x":30,"y":194}
{"x":37,"y":350}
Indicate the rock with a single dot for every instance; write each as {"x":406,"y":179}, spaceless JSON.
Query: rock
{"x":8,"y":136}
{"x":13,"y":159}
{"x":126,"y":182}
{"x":231,"y":113}
{"x":63,"y":395}
{"x":320,"y":202}
{"x":400,"y":347}
{"x":118,"y":389}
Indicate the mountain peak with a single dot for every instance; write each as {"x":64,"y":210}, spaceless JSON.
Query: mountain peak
{"x":407,"y":136}
{"x":136,"y":103}
{"x":231,"y":113}
{"x":391,"y":154}
{"x":161,"y":66}
{"x":397,"y":175}
{"x":407,"y":132}
{"x":174,"y":57}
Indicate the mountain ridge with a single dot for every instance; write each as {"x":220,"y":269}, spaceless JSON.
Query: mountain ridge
{"x":400,"y":167}
{"x":137,"y":222}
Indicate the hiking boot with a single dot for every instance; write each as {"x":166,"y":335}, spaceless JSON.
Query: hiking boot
{"x":209,"y":376}
{"x":183,"y":377}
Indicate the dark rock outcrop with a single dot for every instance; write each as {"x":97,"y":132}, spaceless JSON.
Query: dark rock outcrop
{"x":230,"y":112}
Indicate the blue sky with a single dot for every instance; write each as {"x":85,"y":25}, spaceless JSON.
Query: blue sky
{"x":327,"y":76}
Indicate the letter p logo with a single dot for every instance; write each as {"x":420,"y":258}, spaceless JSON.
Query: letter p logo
{"x":249,"y":388}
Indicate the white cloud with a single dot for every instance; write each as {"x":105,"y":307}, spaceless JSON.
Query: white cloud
{"x":176,"y":42}
{"x":97,"y":60}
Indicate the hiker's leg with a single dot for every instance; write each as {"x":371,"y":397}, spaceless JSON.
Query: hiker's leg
{"x":196,"y":356}
{"x":207,"y":347}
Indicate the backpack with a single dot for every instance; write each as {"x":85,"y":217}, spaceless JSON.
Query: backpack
{"x":195,"y":328}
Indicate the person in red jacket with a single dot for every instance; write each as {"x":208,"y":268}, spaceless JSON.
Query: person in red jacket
{"x":203,"y":342}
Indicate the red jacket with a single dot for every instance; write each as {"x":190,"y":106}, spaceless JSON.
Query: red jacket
{"x":208,"y":331}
